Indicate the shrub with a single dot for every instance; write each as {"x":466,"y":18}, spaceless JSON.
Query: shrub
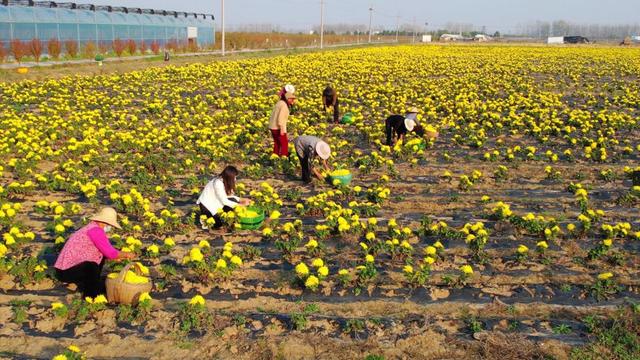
{"x":183,"y":46}
{"x":142,"y":47}
{"x":155,"y":47}
{"x":118,"y":47}
{"x":54,"y":48}
{"x":71,"y":48}
{"x":3,"y":53}
{"x":193,"y":46}
{"x":18,"y":49}
{"x":131,"y":46}
{"x":89,"y":50}
{"x":172,"y":45}
{"x":35,"y":48}
{"x":103,"y":47}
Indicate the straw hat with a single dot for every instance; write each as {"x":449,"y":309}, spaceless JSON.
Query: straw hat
{"x":410,"y":124}
{"x":412,"y":110}
{"x":108,"y":216}
{"x":289,"y":95}
{"x":323,"y":150}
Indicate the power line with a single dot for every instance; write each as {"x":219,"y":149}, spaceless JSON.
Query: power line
{"x":413,"y":26}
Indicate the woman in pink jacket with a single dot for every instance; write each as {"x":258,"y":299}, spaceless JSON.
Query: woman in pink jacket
{"x":82,"y":257}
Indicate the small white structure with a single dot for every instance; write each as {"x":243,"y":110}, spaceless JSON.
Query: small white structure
{"x":426,"y":38}
{"x":555,"y":40}
{"x":635,"y":39}
{"x":482,"y":38}
{"x":451,"y":37}
{"x":192,"y":32}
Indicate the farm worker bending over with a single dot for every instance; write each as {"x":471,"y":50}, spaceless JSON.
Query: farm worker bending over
{"x":218,"y":195}
{"x":399,"y":126}
{"x":307,"y":148}
{"x":82,"y":257}
{"x":330,"y":99}
{"x":278,"y":124}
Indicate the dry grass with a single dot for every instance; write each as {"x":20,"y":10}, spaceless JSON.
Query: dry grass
{"x":501,"y":346}
{"x":247,"y":40}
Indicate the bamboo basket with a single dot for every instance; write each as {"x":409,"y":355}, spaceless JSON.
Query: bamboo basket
{"x":120,"y":292}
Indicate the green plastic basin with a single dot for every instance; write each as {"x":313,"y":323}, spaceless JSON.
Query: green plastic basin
{"x":252,"y":223}
{"x":344,"y":179}
{"x":347,"y":118}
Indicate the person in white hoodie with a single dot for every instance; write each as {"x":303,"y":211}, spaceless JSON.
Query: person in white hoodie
{"x":219,"y":195}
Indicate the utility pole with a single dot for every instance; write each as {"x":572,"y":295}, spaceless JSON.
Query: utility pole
{"x":370,"y":19}
{"x":222,"y":14}
{"x":426,"y":24}
{"x":397,"y":26}
{"x":413,"y":38}
{"x":321,"y":24}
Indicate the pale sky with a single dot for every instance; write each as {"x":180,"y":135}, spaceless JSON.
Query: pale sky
{"x":501,"y":15}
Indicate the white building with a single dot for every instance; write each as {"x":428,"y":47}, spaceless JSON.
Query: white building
{"x":482,"y":38}
{"x":555,"y":40}
{"x":451,"y":37}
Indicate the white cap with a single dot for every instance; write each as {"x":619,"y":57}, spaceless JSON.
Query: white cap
{"x":323,"y":150}
{"x":289,"y":88}
{"x":409,"y":124}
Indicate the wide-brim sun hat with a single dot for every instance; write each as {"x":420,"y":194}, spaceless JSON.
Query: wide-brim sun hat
{"x":410,"y":124}
{"x":413,"y":110}
{"x":107,"y":215}
{"x":323,"y":149}
{"x":289,"y":95}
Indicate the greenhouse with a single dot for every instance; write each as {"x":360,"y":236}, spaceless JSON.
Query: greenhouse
{"x":102,"y":25}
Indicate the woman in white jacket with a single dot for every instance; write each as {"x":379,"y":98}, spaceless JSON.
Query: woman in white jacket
{"x":218,"y":195}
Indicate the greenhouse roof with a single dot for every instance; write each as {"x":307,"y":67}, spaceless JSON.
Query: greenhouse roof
{"x":103,"y":8}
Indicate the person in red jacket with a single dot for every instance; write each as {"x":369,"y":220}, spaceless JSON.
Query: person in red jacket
{"x":278,"y":124}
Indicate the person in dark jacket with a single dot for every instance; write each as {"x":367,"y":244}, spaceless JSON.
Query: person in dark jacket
{"x":399,"y":126}
{"x":330,"y":99}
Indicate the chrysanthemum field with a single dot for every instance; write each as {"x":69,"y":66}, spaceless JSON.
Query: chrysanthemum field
{"x":513,"y":235}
